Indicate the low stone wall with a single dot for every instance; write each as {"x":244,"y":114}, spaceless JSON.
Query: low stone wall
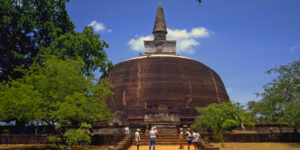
{"x":24,"y":139}
{"x":257,"y":137}
{"x":274,"y":137}
{"x":110,"y":131}
{"x":43,"y":139}
{"x":106,"y":139}
{"x":27,"y":130}
{"x":115,"y":138}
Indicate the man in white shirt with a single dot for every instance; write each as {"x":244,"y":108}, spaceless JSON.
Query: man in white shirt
{"x":137,"y":138}
{"x":189,"y":137}
{"x":195,"y":141}
{"x":153,"y":134}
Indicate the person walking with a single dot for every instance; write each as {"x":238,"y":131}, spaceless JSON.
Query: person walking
{"x":181,"y":139}
{"x":137,"y":138}
{"x":153,"y":134}
{"x":189,"y":137}
{"x":195,"y":141}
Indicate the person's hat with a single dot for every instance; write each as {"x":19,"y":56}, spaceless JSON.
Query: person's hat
{"x":138,"y":130}
{"x":181,"y":129}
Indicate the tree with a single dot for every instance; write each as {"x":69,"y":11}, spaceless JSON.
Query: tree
{"x":222,"y":117}
{"x":81,"y":136}
{"x":18,"y":102}
{"x":85,"y":45}
{"x":24,"y":26}
{"x":280,"y":101}
{"x":55,"y":92}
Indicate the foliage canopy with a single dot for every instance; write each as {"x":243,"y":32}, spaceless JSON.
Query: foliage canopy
{"x":31,"y":28}
{"x":221,"y":117}
{"x":280,"y":101}
{"x":85,"y":45}
{"x":24,"y":26}
{"x":55,"y":92}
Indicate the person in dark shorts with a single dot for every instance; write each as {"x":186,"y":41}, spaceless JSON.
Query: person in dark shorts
{"x":189,"y":137}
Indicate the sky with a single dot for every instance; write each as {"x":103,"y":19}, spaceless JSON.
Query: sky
{"x":239,"y":39}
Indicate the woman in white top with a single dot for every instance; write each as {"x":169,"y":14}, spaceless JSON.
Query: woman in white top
{"x":196,"y":137}
{"x":153,"y":133}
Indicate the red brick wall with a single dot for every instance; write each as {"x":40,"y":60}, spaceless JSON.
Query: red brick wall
{"x":24,"y":139}
{"x":42,"y":139}
{"x":258,"y":137}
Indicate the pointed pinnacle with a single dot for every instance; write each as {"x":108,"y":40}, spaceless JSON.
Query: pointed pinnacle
{"x":160,"y":24}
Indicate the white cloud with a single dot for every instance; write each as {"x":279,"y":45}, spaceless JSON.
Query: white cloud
{"x":137,"y":44}
{"x":186,"y":40}
{"x":292,"y":49}
{"x":186,"y":45}
{"x":198,"y":32}
{"x":97,"y":26}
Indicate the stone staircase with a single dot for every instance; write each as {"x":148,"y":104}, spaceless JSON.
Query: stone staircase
{"x":124,"y":144}
{"x":162,"y":139}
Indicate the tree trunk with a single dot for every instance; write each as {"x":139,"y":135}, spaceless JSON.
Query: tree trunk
{"x":242,"y":124}
{"x":241,"y":121}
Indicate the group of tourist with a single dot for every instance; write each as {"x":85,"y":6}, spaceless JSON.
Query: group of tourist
{"x":192,"y":138}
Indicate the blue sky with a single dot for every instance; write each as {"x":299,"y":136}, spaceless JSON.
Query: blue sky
{"x":239,"y":39}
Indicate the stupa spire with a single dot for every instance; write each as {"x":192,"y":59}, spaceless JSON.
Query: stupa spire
{"x":160,"y":45}
{"x":160,"y":29}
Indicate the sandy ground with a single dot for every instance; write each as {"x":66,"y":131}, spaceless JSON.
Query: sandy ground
{"x":17,"y":146}
{"x":232,"y":146}
{"x":161,"y":147}
{"x":259,"y":146}
{"x":228,"y":146}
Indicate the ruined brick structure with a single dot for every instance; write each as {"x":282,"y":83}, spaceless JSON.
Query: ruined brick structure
{"x":161,"y":87}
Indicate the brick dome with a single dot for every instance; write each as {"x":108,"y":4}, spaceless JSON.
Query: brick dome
{"x":163,"y":84}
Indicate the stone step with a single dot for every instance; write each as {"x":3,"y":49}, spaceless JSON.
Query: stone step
{"x":161,"y":135}
{"x":159,"y":143}
{"x":162,"y":139}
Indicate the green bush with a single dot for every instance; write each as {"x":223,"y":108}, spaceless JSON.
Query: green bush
{"x":80,"y":136}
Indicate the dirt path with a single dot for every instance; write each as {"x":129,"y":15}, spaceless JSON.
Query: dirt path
{"x":160,"y":147}
{"x":232,"y":146}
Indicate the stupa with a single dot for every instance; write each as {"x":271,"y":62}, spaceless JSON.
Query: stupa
{"x":161,"y":87}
